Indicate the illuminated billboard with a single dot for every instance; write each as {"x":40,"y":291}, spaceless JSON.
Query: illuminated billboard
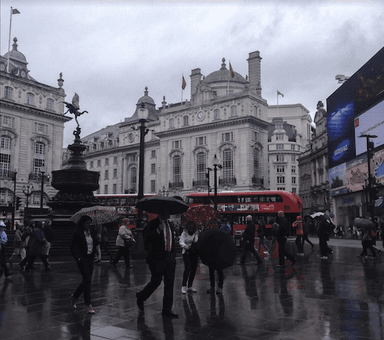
{"x":356,"y":108}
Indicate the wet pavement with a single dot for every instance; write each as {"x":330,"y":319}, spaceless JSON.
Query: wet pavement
{"x":339,"y":298}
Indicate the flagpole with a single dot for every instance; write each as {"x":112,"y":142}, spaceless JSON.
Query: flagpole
{"x":9,"y":39}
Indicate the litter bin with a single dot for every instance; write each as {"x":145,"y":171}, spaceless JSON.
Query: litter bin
{"x":238,"y":239}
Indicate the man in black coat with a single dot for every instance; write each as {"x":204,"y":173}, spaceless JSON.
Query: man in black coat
{"x":249,"y":241}
{"x":161,"y":260}
{"x":282,"y":233}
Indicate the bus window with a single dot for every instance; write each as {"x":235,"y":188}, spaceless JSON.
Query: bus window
{"x":123,"y":201}
{"x":262,"y":199}
{"x":255,"y":199}
{"x":279,"y":198}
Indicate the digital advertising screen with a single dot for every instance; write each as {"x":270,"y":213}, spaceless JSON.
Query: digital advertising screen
{"x":371,"y":123}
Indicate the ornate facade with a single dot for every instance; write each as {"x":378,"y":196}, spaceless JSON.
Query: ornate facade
{"x":226,"y":116}
{"x":313,"y":167}
{"x":31,"y":130}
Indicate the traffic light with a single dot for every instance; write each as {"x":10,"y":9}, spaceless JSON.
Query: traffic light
{"x":371,"y":145}
{"x":18,"y":202}
{"x":374,"y":194}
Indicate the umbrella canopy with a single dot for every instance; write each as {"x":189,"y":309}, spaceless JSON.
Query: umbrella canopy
{"x":203,"y":215}
{"x":317,"y":214}
{"x":364,"y":223}
{"x":216,"y":248}
{"x":98,"y":214}
{"x":158,"y":204}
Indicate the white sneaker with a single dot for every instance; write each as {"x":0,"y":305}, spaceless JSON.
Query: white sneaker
{"x":324,"y":257}
{"x":184,"y":290}
{"x":300,"y":254}
{"x":266,"y":253}
{"x":192,"y":290}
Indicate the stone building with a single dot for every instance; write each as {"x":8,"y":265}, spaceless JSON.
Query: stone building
{"x":226,"y":116}
{"x":313,"y":167}
{"x":288,"y":136}
{"x":31,"y":130}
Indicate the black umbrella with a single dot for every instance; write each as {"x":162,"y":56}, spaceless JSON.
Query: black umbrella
{"x":158,"y":204}
{"x":216,"y":248}
{"x":363,"y":223}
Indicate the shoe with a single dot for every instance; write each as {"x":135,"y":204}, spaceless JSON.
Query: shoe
{"x":129,"y":266}
{"x":266,"y":253}
{"x":324,"y":257}
{"x":169,"y":314}
{"x":379,"y":252}
{"x":191,"y":290}
{"x":300,"y":254}
{"x":219,"y":291}
{"x":280,"y":265}
{"x":21,"y":266}
{"x":211,"y":291}
{"x":184,"y":290}
{"x":73,"y":302}
{"x":241,"y":264}
{"x":139,"y":302}
{"x":91,"y":310}
{"x":372,"y":257}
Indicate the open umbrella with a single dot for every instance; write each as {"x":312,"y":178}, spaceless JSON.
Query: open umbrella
{"x":216,"y":248}
{"x":158,"y":204}
{"x":317,"y":214}
{"x":363,"y":223}
{"x":99,"y":214}
{"x":203,"y":215}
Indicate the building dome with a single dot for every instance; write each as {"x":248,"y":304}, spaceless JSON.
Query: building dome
{"x":146,"y":99}
{"x":224,"y":75}
{"x":15,"y":54}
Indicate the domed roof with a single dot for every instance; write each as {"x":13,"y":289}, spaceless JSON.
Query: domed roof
{"x":224,"y":75}
{"x":15,"y":54}
{"x":146,"y":98}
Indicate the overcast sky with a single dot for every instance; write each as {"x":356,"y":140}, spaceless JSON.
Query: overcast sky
{"x":110,"y":50}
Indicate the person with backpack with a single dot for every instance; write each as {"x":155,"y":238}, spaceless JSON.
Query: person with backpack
{"x":282,"y":233}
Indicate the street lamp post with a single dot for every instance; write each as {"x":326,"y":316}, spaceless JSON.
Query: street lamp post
{"x":143,"y":115}
{"x":14,"y":173}
{"x":215,"y":166}
{"x":208,"y":184}
{"x":42,"y":173}
{"x":164,"y":191}
{"x":370,"y":146}
{"x":27,"y":190}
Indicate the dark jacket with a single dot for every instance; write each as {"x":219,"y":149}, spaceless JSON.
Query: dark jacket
{"x":79,"y":246}
{"x":48,"y":233}
{"x":37,"y":242}
{"x":283,"y":229}
{"x":156,"y":244}
{"x":261,"y":229}
{"x":249,"y":232}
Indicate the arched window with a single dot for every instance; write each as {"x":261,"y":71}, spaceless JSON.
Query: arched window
{"x":256,"y":163}
{"x":233,"y":110}
{"x":176,"y":170}
{"x":171,"y":123}
{"x":5,"y":142}
{"x":201,"y":164}
{"x":228,"y":165}
{"x":5,"y":156}
{"x":185,"y":120}
{"x":30,"y":98}
{"x":216,"y":114}
{"x":8,"y":92}
{"x":38,"y":159}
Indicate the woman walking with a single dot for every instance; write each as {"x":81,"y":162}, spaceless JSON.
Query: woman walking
{"x":187,"y":242}
{"x":84,"y":242}
{"x":19,"y":244}
{"x":124,"y":241}
{"x":298,"y":225}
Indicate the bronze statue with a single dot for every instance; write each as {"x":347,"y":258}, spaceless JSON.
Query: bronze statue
{"x":74,"y":108}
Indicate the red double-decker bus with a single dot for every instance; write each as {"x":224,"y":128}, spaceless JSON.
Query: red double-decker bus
{"x":236,"y":205}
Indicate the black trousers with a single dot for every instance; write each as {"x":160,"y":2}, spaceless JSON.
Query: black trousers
{"x":166,"y":272}
{"x":305,"y":238}
{"x":324,"y":249}
{"x":220,"y":273}
{"x":299,"y":243}
{"x":85,"y":266}
{"x":123,"y":251}
{"x":281,"y":241}
{"x":3,"y":263}
{"x":190,"y":266}
{"x":249,"y":247}
{"x":32,"y":258}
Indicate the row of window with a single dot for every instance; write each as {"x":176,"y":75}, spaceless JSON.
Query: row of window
{"x":281,"y":147}
{"x":8,"y":94}
{"x":281,"y":168}
{"x":216,"y":115}
{"x":10,"y":122}
{"x":281,"y":158}
{"x":281,"y":180}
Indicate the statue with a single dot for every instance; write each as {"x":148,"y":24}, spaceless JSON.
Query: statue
{"x":74,"y":108}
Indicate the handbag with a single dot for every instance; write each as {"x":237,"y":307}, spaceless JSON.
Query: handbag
{"x":129,"y":243}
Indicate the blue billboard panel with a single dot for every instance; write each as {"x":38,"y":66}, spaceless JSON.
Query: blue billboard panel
{"x":338,"y":180}
{"x":341,"y":136}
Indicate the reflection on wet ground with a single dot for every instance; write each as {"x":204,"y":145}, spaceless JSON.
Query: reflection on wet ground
{"x":316,"y":299}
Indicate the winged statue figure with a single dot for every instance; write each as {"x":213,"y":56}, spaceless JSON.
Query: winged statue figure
{"x":74,"y":108}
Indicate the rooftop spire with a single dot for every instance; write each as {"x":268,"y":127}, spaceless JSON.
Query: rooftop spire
{"x":223,"y":66}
